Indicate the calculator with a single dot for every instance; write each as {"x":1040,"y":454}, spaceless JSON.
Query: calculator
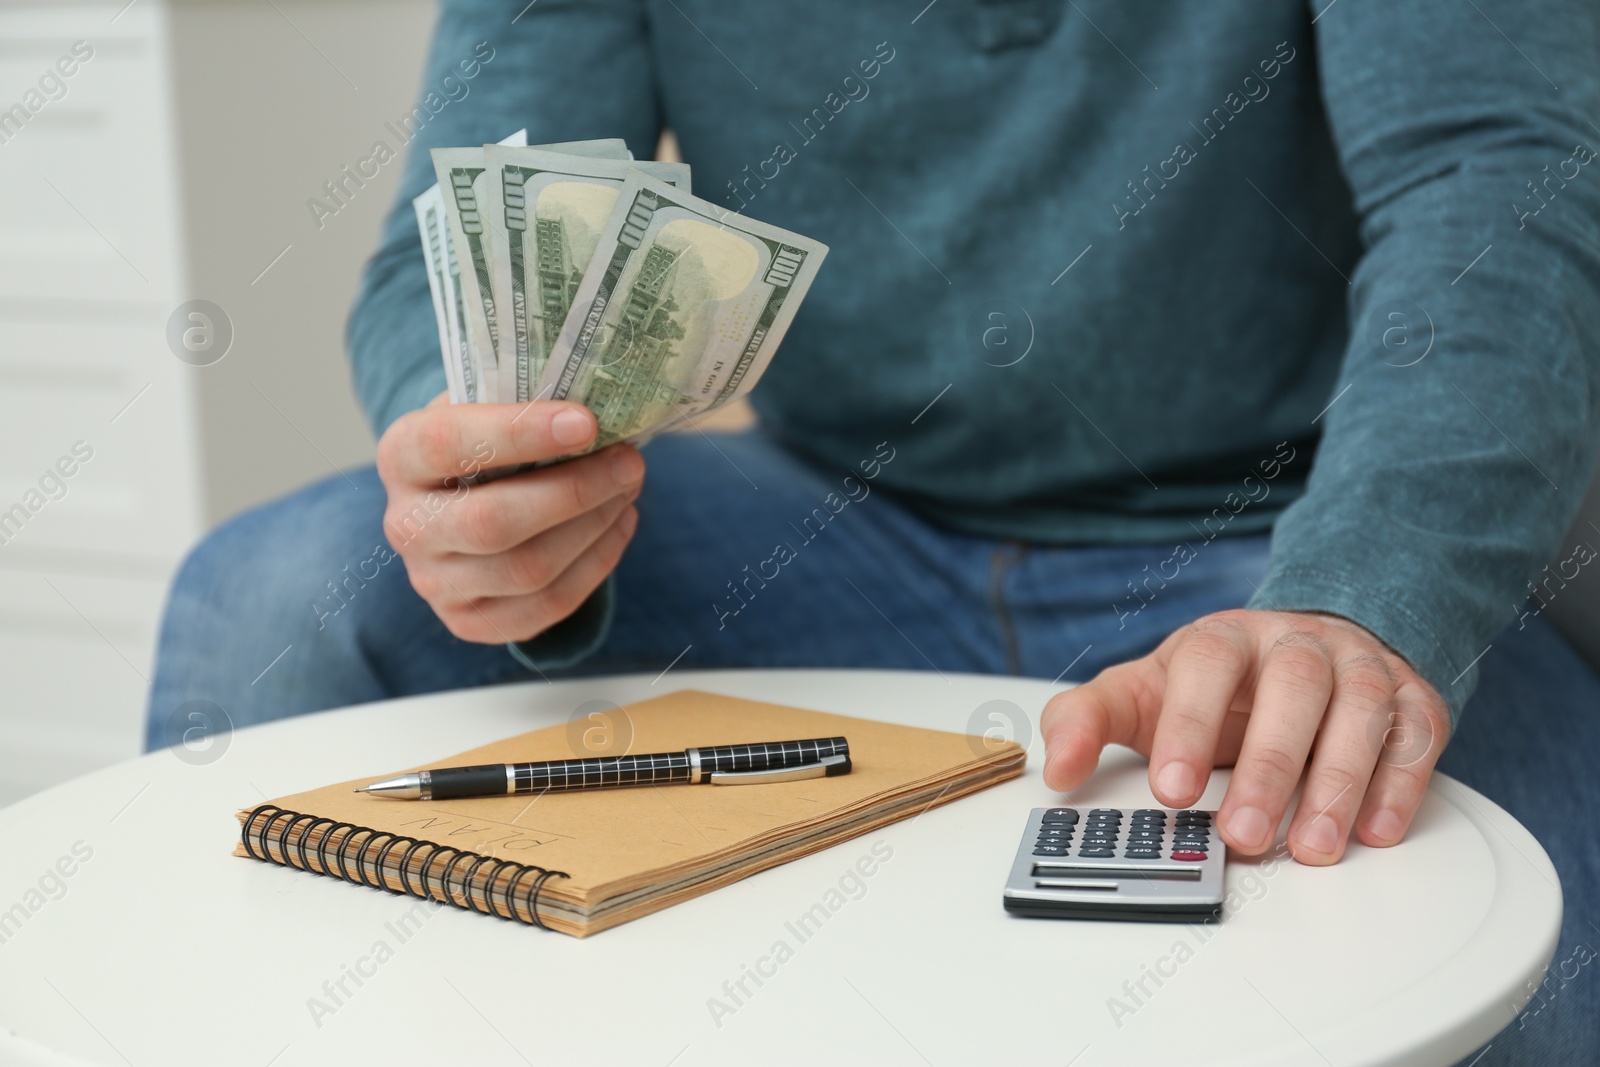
{"x":1145,"y":864}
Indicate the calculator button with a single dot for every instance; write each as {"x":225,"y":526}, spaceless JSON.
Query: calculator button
{"x":1188,"y":857}
{"x":1202,"y":815}
{"x":1096,"y":852}
{"x":1063,"y":814}
{"x":1051,"y":850}
{"x":1107,"y":811}
{"x":1142,"y":854}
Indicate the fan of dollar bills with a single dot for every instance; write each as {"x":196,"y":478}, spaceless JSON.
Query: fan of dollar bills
{"x":575,"y":272}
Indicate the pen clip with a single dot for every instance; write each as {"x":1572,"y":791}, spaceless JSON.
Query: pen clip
{"x":779,"y":774}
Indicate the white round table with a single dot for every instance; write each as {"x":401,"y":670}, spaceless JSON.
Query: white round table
{"x":162,"y":948}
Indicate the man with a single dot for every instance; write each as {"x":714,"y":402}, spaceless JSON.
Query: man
{"x":1114,"y":290}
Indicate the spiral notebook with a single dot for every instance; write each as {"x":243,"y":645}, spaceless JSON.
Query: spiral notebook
{"x":582,"y":862}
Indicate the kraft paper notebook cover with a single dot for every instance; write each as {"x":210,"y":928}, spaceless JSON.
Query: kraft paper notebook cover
{"x":581,"y":862}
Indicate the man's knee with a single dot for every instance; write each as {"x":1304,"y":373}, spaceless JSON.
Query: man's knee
{"x":308,"y":553}
{"x":250,"y":620}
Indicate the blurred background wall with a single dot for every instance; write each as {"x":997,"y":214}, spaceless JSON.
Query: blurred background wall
{"x":270,"y":100}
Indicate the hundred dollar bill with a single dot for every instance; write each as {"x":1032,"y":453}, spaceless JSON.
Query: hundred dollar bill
{"x":464,"y":184}
{"x":546,"y":210}
{"x":468,"y":359}
{"x":680,"y":311}
{"x":460,"y":173}
{"x":444,"y":284}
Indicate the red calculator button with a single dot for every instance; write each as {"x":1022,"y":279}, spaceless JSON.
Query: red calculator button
{"x":1188,"y":857}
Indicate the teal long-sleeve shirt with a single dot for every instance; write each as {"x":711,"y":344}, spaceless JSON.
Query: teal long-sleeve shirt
{"x":1125,"y":271}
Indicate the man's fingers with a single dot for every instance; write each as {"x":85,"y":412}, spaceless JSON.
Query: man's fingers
{"x":496,"y":620}
{"x":1413,"y":740}
{"x":1347,"y":751}
{"x":1205,"y":671}
{"x":1118,"y":707}
{"x":426,"y":447}
{"x":1291,"y":695}
{"x":1323,"y":702}
{"x":526,"y":568}
{"x":499,"y":515}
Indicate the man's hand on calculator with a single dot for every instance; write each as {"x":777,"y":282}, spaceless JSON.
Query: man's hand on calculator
{"x":1273,"y":694}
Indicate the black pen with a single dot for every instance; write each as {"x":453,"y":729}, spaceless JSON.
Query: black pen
{"x":775,"y":761}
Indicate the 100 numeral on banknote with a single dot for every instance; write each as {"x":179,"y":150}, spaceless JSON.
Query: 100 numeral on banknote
{"x":466,"y":201}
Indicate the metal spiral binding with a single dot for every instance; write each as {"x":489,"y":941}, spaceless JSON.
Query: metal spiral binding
{"x":270,"y":823}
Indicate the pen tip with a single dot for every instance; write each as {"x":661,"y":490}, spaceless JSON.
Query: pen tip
{"x":359,"y":789}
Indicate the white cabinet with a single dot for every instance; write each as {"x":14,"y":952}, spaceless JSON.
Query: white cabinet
{"x":99,"y":488}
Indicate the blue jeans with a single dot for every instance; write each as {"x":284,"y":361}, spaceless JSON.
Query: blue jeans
{"x":299,"y":606}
